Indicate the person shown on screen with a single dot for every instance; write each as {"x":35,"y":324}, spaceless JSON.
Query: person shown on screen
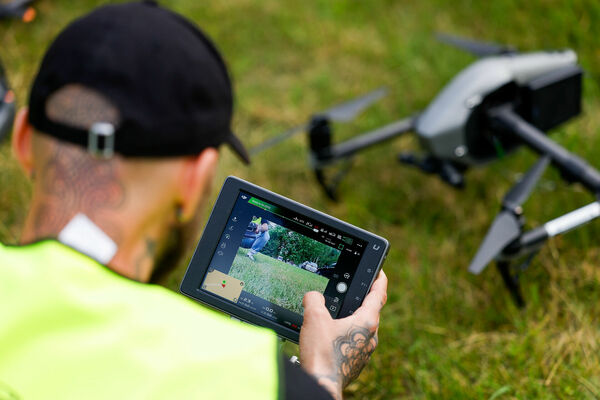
{"x":256,"y":236}
{"x":126,"y":113}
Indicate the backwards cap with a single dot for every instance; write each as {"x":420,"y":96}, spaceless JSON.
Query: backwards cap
{"x":164,"y":76}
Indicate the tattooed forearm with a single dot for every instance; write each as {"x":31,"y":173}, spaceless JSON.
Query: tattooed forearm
{"x":352,"y":352}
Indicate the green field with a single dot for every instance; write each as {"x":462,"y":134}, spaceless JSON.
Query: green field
{"x":275,"y":281}
{"x":444,"y":333}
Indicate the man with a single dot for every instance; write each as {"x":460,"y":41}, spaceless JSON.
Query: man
{"x":256,"y":236}
{"x":125,"y":116}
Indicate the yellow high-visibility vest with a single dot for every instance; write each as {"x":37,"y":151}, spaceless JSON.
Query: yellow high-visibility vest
{"x":71,"y":328}
{"x":257,"y":221}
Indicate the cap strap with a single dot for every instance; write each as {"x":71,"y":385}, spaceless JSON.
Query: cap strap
{"x":101,"y":140}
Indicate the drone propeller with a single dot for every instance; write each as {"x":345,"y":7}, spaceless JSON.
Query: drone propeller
{"x":475,"y":47}
{"x":349,"y":110}
{"x":17,"y":9}
{"x":343,"y":112}
{"x":507,"y":226}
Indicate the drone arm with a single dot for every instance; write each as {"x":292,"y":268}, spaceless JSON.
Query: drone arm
{"x":573,"y":219}
{"x":368,"y":139}
{"x":534,"y":238}
{"x":505,"y":119}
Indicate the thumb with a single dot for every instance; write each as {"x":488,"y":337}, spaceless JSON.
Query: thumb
{"x":313,"y":300}
{"x":314,"y":307}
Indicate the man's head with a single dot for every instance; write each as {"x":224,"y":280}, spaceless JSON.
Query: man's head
{"x":163,"y":90}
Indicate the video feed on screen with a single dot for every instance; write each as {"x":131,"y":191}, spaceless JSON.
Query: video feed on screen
{"x":280,"y":265}
{"x":269,"y":257}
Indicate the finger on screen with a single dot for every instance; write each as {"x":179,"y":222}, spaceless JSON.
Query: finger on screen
{"x":377,"y":296}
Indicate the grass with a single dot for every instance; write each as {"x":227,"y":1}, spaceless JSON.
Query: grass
{"x":275,"y":281}
{"x":444,"y":333}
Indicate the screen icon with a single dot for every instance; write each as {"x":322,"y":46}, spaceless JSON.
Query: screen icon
{"x":341,"y":287}
{"x":341,"y":247}
{"x":244,"y":197}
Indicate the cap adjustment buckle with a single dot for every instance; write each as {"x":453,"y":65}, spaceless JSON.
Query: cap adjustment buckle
{"x":101,"y":140}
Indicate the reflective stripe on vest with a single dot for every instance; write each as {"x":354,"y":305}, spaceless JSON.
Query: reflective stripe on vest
{"x":73,"y":329}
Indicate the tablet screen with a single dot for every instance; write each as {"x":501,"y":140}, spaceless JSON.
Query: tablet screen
{"x":268,"y":257}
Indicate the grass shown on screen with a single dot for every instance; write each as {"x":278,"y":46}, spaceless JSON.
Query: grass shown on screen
{"x":275,"y":281}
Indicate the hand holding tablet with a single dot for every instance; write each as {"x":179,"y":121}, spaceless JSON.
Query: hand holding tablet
{"x":260,"y":253}
{"x":335,"y":351}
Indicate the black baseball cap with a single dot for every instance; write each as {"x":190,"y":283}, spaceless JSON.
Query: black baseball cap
{"x":163,"y":74}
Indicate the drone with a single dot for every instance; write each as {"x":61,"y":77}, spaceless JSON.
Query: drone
{"x":19,"y":9}
{"x":504,"y":100}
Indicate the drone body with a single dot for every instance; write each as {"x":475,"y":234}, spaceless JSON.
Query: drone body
{"x":443,"y":128}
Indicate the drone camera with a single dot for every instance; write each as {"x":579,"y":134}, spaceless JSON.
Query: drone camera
{"x":553,"y":98}
{"x":545,"y":102}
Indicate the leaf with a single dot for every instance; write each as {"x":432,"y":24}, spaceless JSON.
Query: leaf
{"x":500,"y":392}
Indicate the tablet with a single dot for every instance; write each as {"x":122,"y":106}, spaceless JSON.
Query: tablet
{"x":261,"y":252}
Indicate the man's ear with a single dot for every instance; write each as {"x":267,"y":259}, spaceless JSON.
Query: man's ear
{"x":21,"y":140}
{"x":197,"y":180}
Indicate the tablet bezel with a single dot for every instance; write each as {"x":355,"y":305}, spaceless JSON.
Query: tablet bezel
{"x":372,"y":259}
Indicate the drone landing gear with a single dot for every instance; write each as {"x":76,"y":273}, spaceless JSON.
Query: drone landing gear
{"x":330,"y":186}
{"x":511,"y":281}
{"x":323,"y":153}
{"x":449,"y":172}
{"x":510,"y":276}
